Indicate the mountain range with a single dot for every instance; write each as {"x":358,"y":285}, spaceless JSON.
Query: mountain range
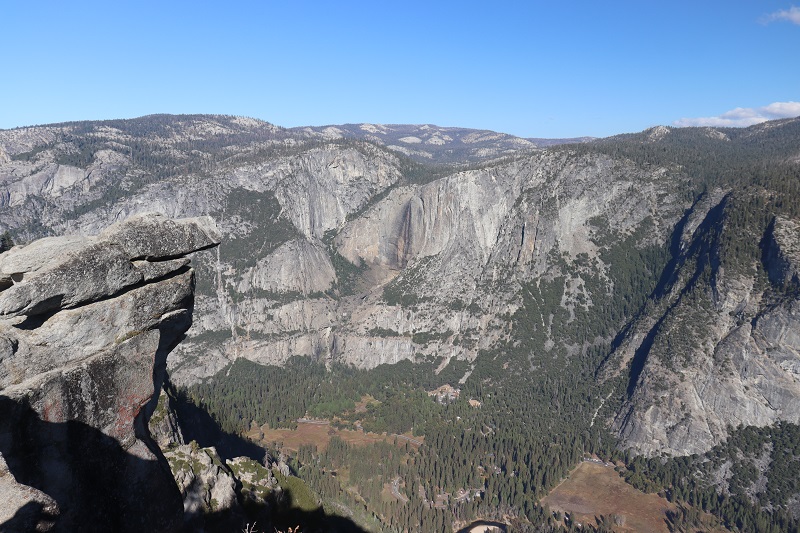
{"x":647,"y":283}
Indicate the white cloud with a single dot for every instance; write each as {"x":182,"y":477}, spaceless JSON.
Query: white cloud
{"x":745,"y":116}
{"x":792,"y":15}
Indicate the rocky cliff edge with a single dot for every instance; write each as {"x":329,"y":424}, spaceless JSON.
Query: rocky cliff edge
{"x":86,"y":324}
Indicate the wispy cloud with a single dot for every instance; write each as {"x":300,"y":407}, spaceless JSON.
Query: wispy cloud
{"x":745,"y":116}
{"x":792,"y":15}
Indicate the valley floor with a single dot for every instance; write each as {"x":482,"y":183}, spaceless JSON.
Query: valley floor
{"x":594,"y":489}
{"x":319,"y":433}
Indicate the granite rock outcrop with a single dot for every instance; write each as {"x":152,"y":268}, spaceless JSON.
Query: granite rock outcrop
{"x":86,"y":326}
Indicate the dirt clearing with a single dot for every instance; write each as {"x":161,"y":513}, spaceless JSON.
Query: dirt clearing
{"x":592,"y":490}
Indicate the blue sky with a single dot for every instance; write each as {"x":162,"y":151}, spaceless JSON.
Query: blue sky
{"x":533,"y":69}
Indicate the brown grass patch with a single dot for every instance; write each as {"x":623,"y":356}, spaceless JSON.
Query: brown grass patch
{"x":361,"y":405}
{"x":387,"y":495}
{"x":593,"y":490}
{"x":319,"y":434}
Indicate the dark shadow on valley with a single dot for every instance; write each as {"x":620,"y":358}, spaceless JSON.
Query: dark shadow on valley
{"x":274,"y":514}
{"x":98,"y":486}
{"x":199,"y":426}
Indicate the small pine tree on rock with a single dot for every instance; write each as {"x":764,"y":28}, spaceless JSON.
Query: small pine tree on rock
{"x":6,"y":242}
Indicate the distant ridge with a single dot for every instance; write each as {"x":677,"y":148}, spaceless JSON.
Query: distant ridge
{"x":436,"y":144}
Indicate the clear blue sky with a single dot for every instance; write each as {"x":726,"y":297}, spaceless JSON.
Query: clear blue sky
{"x":533,"y":69}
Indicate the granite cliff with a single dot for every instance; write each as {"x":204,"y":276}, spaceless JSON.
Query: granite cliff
{"x":719,"y":349}
{"x":85,"y":328}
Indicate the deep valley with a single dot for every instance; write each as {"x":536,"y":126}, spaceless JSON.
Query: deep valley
{"x":412,"y":328}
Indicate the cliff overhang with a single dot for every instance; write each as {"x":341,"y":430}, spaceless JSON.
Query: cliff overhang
{"x":86,"y":324}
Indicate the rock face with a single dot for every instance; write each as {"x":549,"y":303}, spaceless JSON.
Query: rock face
{"x":298,"y":266}
{"x":720,"y":349}
{"x":217,"y":493}
{"x":86,"y":328}
{"x":206,"y":483}
{"x":783,"y":253}
{"x":164,"y":424}
{"x":431,"y":262}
